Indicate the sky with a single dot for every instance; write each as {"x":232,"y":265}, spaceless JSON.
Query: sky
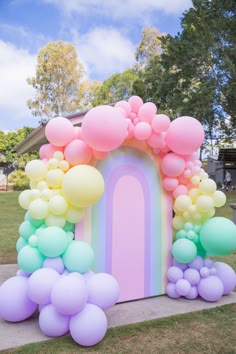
{"x":104,"y":32}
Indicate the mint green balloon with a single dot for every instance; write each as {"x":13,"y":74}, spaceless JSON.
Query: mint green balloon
{"x":78,"y":257}
{"x":218,"y":236}
{"x":52,"y":241}
{"x":26,"y":229}
{"x":69,"y":226}
{"x":30,"y":259}
{"x":33,"y":221}
{"x":20,"y":243}
{"x":184,"y":250}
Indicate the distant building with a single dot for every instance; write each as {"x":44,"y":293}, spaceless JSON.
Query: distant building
{"x":218,"y":165}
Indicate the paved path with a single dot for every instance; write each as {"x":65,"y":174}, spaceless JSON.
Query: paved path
{"x":16,"y":334}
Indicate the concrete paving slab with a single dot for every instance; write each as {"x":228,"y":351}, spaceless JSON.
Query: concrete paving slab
{"x":16,"y":334}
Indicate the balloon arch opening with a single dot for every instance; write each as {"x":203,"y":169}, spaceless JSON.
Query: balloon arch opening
{"x":98,"y":226}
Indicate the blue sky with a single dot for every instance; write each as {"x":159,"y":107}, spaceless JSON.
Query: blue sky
{"x":105,"y":34}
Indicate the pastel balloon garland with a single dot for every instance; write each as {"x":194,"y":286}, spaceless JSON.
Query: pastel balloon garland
{"x":55,"y":274}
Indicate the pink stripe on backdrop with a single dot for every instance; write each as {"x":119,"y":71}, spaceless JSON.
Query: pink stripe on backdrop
{"x":169,"y":226}
{"x":79,"y":230}
{"x":128,"y":238}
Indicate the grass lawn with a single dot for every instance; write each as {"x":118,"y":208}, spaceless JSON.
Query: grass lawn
{"x":211,"y":331}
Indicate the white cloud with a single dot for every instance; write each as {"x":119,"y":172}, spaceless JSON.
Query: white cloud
{"x":15,"y":66}
{"x":121,"y":8}
{"x":104,"y":51}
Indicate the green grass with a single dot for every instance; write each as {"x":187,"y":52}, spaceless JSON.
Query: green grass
{"x":208,"y":331}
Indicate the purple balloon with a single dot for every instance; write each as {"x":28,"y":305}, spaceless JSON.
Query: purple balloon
{"x":197,"y":263}
{"x":192,"y":275}
{"x":69,"y":294}
{"x":103,"y":290}
{"x":15,"y":305}
{"x":208,"y":263}
{"x":183,"y":287}
{"x":21,"y":273}
{"x":88,"y":327}
{"x":55,"y":263}
{"x":52,"y":323}
{"x":193,"y":294}
{"x":204,"y":272}
{"x":212,"y":271}
{"x":227,"y":276}
{"x":182,"y":266}
{"x":40,"y":285}
{"x":210,"y":288}
{"x":171,"y":291}
{"x":174,"y":274}
{"x":88,"y":275}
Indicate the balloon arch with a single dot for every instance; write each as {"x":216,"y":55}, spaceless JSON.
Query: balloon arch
{"x":54,"y":275}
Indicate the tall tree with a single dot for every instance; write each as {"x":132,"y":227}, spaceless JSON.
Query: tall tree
{"x":115,"y":88}
{"x":57,"y":80}
{"x":87,"y":94}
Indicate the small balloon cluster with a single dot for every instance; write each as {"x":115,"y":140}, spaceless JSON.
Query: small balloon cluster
{"x":202,"y":277}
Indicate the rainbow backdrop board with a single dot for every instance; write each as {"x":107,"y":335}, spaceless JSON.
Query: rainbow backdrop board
{"x":130,"y":227}
{"x":98,"y":222}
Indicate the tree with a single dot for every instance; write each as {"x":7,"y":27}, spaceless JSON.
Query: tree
{"x":148,"y":47}
{"x":57,"y":79}
{"x":195,"y":74}
{"x":115,"y":88}
{"x":87,"y":94}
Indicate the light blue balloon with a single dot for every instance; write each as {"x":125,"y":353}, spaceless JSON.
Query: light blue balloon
{"x":30,"y":259}
{"x":52,"y":241}
{"x":78,"y":257}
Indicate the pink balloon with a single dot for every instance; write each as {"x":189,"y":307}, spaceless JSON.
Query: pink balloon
{"x":160,"y":123}
{"x":172,"y":165}
{"x":121,"y":110}
{"x":100,"y":155}
{"x":136,"y":120}
{"x":197,"y":163}
{"x":59,"y":131}
{"x":77,"y":152}
{"x":142,"y":131}
{"x":156,"y":141}
{"x":180,"y":190}
{"x":104,"y":128}
{"x":170,"y":183}
{"x":132,"y":115}
{"x":47,"y":150}
{"x":135,"y":103}
{"x":185,"y":135}
{"x":147,"y":112}
{"x":187,"y":173}
{"x":77,"y":133}
{"x":125,"y":106}
{"x":130,"y":130}
{"x":196,"y":170}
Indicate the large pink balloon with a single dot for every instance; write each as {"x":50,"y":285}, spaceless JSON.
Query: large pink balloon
{"x":172,"y":165}
{"x":142,"y":131}
{"x":104,"y":128}
{"x":59,"y":131}
{"x":185,"y":135}
{"x":147,"y":112}
{"x":160,"y":123}
{"x":77,"y":152}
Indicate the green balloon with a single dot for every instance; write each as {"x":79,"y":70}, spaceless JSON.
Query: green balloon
{"x":218,"y":236}
{"x":78,"y":257}
{"x":26,"y":229}
{"x":184,"y":250}
{"x":52,"y":241}
{"x":30,"y":259}
{"x":69,"y":226}
{"x":20,"y":243}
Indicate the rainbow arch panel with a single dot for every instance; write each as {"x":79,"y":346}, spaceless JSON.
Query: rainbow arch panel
{"x":130,"y":227}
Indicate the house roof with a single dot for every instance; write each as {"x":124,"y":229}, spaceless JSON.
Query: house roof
{"x":37,"y":137}
{"x":227,"y":155}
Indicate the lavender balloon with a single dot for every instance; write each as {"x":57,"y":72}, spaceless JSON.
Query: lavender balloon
{"x":171,"y":291}
{"x":15,"y":305}
{"x":183,"y":287}
{"x":40,"y":285}
{"x":210,"y":288}
{"x":103,"y":290}
{"x":174,"y":274}
{"x":227,"y":276}
{"x":55,"y":263}
{"x":192,"y":275}
{"x":52,"y":323}
{"x":193,"y":294}
{"x":88,"y":327}
{"x":197,"y":263}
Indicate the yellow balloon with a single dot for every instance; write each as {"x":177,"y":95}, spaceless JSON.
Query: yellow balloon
{"x":55,"y":220}
{"x":33,"y":184}
{"x":178,"y":222}
{"x":58,"y":155}
{"x":83,"y":185}
{"x":219,"y":199}
{"x":52,"y":163}
{"x":42,"y":185}
{"x":204,"y":203}
{"x":207,"y":186}
{"x":25,"y":198}
{"x":64,"y":165}
{"x":36,"y":170}
{"x":195,"y":180}
{"x":194,"y":194}
{"x":58,"y":205}
{"x":46,"y":194}
{"x":182,"y":203}
{"x":74,"y":215}
{"x":54,"y":178}
{"x":38,"y":209}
